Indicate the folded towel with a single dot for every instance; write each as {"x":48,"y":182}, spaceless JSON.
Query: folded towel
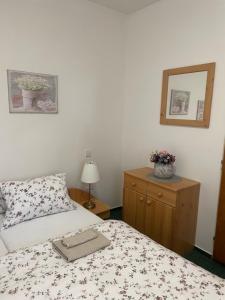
{"x":73,"y":253}
{"x":80,"y":238}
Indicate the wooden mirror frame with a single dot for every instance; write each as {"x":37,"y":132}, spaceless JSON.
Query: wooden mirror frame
{"x":210,"y":68}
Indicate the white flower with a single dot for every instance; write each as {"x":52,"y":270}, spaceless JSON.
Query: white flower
{"x":32,"y":83}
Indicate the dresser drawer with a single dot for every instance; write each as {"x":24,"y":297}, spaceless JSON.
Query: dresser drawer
{"x":135,"y":184}
{"x":161,"y":194}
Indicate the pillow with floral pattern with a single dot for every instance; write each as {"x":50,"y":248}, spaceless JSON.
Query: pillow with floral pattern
{"x":2,"y":204}
{"x":29,"y":199}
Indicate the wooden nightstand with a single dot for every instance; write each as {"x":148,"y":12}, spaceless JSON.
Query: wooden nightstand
{"x":101,"y":209}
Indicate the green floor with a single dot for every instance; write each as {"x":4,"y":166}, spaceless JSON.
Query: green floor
{"x":196,"y":256}
{"x":206,"y":262}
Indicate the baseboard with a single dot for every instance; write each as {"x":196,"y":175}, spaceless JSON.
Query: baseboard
{"x":117,"y":207}
{"x":203,"y":252}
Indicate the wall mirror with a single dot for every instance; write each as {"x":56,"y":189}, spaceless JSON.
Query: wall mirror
{"x":187,"y":95}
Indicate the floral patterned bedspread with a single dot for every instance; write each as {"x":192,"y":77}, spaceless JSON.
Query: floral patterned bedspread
{"x":132,"y":267}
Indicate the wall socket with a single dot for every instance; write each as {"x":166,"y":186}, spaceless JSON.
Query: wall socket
{"x":87,"y":154}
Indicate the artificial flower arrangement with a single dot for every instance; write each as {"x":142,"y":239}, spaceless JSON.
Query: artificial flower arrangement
{"x":162,"y":157}
{"x":163,"y":164}
{"x":32,"y":83}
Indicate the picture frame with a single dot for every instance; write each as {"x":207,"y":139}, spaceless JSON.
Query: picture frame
{"x":179,"y":102}
{"x":30,"y":92}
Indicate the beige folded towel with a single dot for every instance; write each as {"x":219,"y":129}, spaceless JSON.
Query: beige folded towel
{"x":80,"y":238}
{"x":81,"y":250}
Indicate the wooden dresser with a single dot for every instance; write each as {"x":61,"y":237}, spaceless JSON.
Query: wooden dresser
{"x":166,"y":212}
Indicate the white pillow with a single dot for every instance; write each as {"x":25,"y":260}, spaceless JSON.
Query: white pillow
{"x":29,"y":199}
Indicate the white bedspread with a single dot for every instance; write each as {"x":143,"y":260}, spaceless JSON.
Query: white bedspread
{"x":133,"y":267}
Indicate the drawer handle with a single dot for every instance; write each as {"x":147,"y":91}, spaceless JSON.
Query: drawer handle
{"x":149,"y":202}
{"x":160,"y":195}
{"x":141,"y":199}
{"x":133,"y":184}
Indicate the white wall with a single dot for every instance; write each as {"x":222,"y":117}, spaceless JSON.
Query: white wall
{"x":172,"y":34}
{"x":82,"y":43}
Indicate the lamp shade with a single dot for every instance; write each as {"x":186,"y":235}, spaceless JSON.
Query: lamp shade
{"x":90,"y":173}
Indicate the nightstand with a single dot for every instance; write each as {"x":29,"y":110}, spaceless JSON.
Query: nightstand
{"x":101,"y":209}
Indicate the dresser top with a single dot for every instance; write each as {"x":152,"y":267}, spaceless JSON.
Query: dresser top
{"x":143,"y":174}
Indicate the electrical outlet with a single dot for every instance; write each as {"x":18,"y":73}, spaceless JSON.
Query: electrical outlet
{"x":87,"y":154}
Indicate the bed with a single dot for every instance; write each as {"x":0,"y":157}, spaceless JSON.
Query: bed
{"x":133,"y":267}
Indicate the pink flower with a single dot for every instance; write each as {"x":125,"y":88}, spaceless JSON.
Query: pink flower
{"x":163,"y":152}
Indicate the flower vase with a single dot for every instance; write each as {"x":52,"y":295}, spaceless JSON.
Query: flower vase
{"x":164,"y":171}
{"x":29,"y":98}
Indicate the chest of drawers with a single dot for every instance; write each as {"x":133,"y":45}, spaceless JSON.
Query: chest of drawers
{"x":166,"y":212}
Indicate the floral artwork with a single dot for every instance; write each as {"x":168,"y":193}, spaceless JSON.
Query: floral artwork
{"x":179,"y":103}
{"x":32,"y":92}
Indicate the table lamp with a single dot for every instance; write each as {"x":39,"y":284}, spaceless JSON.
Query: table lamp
{"x":90,"y":175}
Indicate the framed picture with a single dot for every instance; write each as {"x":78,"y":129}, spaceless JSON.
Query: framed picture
{"x":179,"y":102}
{"x":200,"y":110}
{"x":32,"y":92}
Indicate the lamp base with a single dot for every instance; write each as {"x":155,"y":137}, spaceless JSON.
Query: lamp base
{"x":89,"y":204}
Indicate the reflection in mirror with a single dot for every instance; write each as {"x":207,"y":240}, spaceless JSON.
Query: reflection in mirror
{"x":187,"y":95}
{"x":184,"y":93}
